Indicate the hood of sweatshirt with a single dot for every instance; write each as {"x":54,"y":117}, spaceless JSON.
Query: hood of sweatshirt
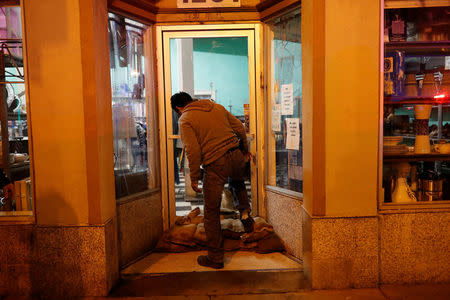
{"x":202,"y":105}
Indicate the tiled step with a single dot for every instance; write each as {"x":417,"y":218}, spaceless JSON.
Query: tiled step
{"x":179,"y":274}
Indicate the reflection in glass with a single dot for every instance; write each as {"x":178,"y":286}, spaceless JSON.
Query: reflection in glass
{"x":285,"y":170}
{"x":15,"y":163}
{"x":129,"y":107}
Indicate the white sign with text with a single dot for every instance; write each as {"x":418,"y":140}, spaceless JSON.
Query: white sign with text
{"x":276,"y":117}
{"x":208,"y":3}
{"x":287,"y":99}
{"x":293,"y":133}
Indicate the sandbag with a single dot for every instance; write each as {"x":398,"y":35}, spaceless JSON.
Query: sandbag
{"x":181,"y":235}
{"x":165,"y":246}
{"x":188,"y":218}
{"x":231,"y":228}
{"x":261,"y":230}
{"x":200,"y":234}
{"x":256,"y":235}
{"x":228,"y":234}
{"x":261,"y":224}
{"x":232,"y":225}
{"x":231,"y":245}
{"x":271,"y":243}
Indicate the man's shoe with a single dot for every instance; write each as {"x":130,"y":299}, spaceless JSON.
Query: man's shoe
{"x":248,"y":224}
{"x":203,"y":260}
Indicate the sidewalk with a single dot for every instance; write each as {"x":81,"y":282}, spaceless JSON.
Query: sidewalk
{"x":391,"y":292}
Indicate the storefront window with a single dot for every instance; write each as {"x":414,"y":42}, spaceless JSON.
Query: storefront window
{"x":15,"y":162}
{"x":129,"y":106}
{"x":416,"y":117}
{"x":285,"y":109}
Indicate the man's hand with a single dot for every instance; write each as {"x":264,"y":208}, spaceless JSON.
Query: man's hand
{"x":8,"y":190}
{"x":194,"y":185}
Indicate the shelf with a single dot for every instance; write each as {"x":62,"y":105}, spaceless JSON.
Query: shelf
{"x":411,"y":156}
{"x":413,"y":136}
{"x":416,"y":100}
{"x":15,"y":116}
{"x":420,"y":47}
{"x":389,"y":207}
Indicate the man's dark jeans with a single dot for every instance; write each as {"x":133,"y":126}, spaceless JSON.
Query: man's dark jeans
{"x":231,"y":165}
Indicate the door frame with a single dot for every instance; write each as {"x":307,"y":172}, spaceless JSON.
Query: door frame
{"x":163,"y":33}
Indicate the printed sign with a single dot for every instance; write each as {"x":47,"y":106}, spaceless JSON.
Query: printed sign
{"x":207,"y":3}
{"x":287,"y":99}
{"x":293,"y":133}
{"x":447,"y":62}
{"x":276,"y":117}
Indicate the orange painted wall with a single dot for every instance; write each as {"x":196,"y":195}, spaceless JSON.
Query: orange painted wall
{"x":351,"y":106}
{"x":313,"y":117}
{"x":340,"y":106}
{"x":98,"y":113}
{"x":69,"y":112}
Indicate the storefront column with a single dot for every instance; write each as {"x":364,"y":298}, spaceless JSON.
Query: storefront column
{"x":341,"y":55}
{"x":71,"y":123}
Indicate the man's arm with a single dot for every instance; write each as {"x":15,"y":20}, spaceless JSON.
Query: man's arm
{"x":239,"y":129}
{"x":193,"y":152}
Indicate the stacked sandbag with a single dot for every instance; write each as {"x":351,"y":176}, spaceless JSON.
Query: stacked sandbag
{"x":179,"y":238}
{"x":189,"y":235}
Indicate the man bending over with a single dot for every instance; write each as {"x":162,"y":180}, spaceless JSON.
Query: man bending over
{"x":211,"y":136}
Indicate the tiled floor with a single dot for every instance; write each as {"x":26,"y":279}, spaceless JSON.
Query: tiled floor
{"x":184,"y":205}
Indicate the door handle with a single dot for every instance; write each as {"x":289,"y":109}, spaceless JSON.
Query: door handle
{"x":174,"y":136}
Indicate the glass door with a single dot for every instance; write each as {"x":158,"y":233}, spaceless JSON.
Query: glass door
{"x":217,"y":65}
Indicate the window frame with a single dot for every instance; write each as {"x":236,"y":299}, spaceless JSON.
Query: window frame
{"x":24,"y":217}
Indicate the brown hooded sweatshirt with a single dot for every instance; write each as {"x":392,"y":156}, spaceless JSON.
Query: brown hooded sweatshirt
{"x":208,"y":131}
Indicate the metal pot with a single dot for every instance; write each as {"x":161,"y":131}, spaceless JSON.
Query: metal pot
{"x":430,"y":189}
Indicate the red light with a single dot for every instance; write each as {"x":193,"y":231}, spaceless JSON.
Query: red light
{"x":441,"y":96}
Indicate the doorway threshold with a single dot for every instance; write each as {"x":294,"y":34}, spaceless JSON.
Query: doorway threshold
{"x":179,"y":274}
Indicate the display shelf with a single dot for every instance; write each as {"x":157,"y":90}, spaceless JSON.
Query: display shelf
{"x":413,"y":136}
{"x":417,"y":100}
{"x":15,"y":116}
{"x":411,"y":156}
{"x":420,"y":47}
{"x":425,"y":206}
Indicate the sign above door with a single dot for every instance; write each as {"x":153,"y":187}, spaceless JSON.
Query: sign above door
{"x":207,"y":3}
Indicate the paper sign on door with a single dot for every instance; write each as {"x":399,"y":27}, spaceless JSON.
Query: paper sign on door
{"x":293,"y":133}
{"x":276,"y":117}
{"x":287,"y":99}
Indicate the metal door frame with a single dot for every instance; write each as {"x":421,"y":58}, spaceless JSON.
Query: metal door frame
{"x":163,"y":36}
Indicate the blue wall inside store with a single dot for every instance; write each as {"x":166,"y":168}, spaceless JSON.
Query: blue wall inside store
{"x":223,"y":62}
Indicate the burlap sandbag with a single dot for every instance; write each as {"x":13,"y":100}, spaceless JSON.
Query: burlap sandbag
{"x":165,"y":246}
{"x":190,"y":218}
{"x":231,"y":228}
{"x":228,"y":244}
{"x":200,"y":234}
{"x":181,"y":235}
{"x":271,"y":243}
{"x":234,"y":225}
